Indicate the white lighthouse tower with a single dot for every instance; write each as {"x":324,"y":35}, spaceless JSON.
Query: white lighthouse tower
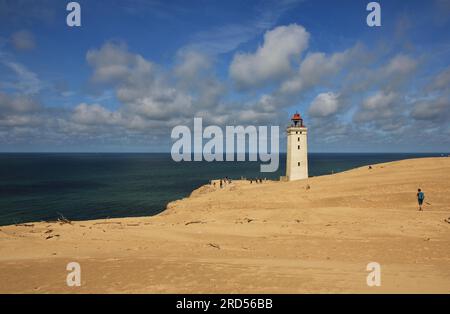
{"x":297,"y":150}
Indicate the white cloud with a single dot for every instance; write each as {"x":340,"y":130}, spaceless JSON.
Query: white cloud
{"x":195,"y":76}
{"x":228,"y":37}
{"x":95,"y":115}
{"x":318,"y":68}
{"x":19,"y":111}
{"x":223,"y":39}
{"x":379,"y":101}
{"x":25,"y":81}
{"x":139,"y":85}
{"x":151,"y":99}
{"x":113,"y":63}
{"x":191,"y":64}
{"x":399,"y":65}
{"x":324,"y":105}
{"x":17,"y":121}
{"x":273,"y":59}
{"x":17,"y":104}
{"x":432,"y":110}
{"x":23,"y":40}
{"x":441,"y":81}
{"x":379,"y":106}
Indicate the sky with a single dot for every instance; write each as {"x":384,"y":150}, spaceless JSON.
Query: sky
{"x":135,"y":69}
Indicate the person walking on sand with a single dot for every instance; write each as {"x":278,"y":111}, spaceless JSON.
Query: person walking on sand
{"x":420,"y":198}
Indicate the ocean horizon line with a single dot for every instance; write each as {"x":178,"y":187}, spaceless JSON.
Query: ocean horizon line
{"x":168,"y":153}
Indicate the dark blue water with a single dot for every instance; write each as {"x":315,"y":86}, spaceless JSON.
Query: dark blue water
{"x":35,"y":187}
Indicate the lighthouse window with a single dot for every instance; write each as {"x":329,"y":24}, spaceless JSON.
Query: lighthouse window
{"x":296,"y":132}
{"x":298,"y":139}
{"x":298,"y":163}
{"x":298,"y":146}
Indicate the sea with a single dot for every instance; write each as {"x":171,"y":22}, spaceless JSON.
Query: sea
{"x":82,"y":186}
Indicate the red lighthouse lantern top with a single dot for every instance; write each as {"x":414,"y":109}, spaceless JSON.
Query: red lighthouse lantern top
{"x":297,"y":119}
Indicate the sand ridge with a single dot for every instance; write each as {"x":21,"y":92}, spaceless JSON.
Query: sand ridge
{"x":307,"y":236}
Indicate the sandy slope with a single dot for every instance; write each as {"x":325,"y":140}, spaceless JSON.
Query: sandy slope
{"x":271,"y":237}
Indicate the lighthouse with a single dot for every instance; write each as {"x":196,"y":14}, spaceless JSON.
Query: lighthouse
{"x":297,"y":150}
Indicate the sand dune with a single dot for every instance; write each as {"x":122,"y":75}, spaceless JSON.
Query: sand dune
{"x":309,"y":236}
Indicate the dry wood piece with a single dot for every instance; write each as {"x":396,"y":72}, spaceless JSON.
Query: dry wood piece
{"x":51,"y":236}
{"x":216,"y":246}
{"x":194,"y":222}
{"x":24,"y":225}
{"x":63,"y":220}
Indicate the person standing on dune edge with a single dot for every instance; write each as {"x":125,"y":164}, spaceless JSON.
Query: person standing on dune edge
{"x":420,"y":198}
